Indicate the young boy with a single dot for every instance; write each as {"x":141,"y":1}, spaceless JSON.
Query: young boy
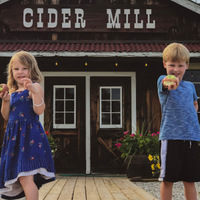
{"x":180,"y":130}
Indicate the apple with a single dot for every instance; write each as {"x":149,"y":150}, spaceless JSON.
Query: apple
{"x":170,"y":80}
{"x":3,"y":88}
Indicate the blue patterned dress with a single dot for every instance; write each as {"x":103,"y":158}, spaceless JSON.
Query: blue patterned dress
{"x":25,"y":149}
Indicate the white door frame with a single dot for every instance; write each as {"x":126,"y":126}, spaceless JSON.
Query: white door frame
{"x":87,"y":76}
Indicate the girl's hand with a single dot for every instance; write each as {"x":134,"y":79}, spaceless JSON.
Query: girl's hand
{"x":28,"y":84}
{"x":5,"y":96}
{"x":173,"y":86}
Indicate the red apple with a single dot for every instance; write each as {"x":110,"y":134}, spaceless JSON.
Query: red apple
{"x":3,"y":88}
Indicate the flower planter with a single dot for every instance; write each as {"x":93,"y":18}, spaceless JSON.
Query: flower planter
{"x":139,"y":167}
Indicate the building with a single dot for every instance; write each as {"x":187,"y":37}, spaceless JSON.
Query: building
{"x":100,"y":60}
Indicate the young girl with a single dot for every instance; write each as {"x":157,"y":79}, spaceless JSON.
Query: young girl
{"x":26,"y":160}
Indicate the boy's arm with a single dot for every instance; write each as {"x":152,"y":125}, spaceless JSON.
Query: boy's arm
{"x":196,"y":105}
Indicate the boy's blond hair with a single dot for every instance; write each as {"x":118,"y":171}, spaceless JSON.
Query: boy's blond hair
{"x":176,"y":52}
{"x":27,"y":60}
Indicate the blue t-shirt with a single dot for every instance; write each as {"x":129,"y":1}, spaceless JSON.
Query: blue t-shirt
{"x":179,"y":117}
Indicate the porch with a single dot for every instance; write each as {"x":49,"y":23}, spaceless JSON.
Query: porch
{"x":93,"y":188}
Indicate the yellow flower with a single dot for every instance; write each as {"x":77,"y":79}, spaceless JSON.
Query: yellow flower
{"x":158,"y":165}
{"x":153,"y":167}
{"x":150,"y":157}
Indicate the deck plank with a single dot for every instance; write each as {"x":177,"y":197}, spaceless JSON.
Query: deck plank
{"x":79,"y":192}
{"x":114,"y":190}
{"x":91,"y":189}
{"x":137,"y":190}
{"x":44,"y":190}
{"x":56,"y":190}
{"x":68,"y":190}
{"x":128,"y":192}
{"x":104,"y":193}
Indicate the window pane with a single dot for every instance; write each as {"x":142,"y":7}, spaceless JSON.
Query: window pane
{"x":59,"y":106}
{"x":105,"y":119}
{"x":116,"y":106}
{"x":69,"y":118}
{"x":105,"y":106}
{"x":59,"y":118}
{"x":116,"y":94}
{"x":105,"y":93}
{"x":69,"y":106}
{"x":59,"y":93}
{"x":69,"y":93}
{"x":115,"y":118}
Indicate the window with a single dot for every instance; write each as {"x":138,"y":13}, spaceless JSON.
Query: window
{"x":110,"y":107}
{"x":64,"y":106}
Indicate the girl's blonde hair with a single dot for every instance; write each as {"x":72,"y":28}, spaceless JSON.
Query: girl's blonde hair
{"x":176,"y":52}
{"x":27,"y":60}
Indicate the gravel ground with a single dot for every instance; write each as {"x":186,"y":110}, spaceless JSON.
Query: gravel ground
{"x":178,"y":190}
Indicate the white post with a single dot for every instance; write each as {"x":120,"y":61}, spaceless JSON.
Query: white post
{"x":87,"y":135}
{"x":133,"y":102}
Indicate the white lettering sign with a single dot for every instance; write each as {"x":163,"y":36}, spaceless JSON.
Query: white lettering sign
{"x":127,"y":13}
{"x":137,"y":24}
{"x":53,"y":18}
{"x":27,"y":24}
{"x":66,"y":14}
{"x":113,"y":22}
{"x":116,"y":18}
{"x":150,"y":25}
{"x":52,"y":13}
{"x":40,"y":12}
{"x":80,"y":22}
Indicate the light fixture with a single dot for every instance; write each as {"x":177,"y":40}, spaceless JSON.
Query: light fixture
{"x":116,"y":63}
{"x":56,"y":62}
{"x":86,"y":63}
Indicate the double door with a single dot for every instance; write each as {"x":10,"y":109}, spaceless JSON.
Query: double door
{"x":87,"y":114}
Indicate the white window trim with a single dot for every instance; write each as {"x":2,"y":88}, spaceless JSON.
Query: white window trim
{"x":100,"y":113}
{"x":64,"y":126}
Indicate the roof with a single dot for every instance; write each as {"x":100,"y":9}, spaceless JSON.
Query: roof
{"x":95,"y":49}
{"x":3,"y":1}
{"x":192,"y":5}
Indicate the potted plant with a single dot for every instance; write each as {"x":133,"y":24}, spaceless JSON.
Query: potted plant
{"x":135,"y":149}
{"x":52,"y":143}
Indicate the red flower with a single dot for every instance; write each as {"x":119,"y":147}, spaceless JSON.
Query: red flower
{"x":118,"y":145}
{"x":47,"y":133}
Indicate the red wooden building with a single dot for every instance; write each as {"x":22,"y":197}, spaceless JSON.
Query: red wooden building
{"x":100,"y":60}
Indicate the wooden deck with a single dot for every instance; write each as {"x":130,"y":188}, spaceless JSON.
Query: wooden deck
{"x":92,"y":188}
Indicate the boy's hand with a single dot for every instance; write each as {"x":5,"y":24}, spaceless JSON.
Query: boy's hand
{"x":170,"y":82}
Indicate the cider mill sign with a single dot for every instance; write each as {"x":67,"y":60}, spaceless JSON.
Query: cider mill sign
{"x":80,"y":21}
{"x":86,"y":19}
